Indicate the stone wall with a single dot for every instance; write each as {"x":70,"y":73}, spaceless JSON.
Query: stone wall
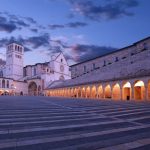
{"x":133,"y":60}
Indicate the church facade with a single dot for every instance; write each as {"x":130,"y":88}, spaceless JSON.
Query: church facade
{"x":120,"y":75}
{"x":15,"y":79}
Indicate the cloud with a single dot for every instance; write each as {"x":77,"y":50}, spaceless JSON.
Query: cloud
{"x":7,"y":27}
{"x":86,"y":52}
{"x":68,"y":25}
{"x":37,"y":41}
{"x":10,"y":23}
{"x":34,"y":30}
{"x":30,"y":43}
{"x":103,"y":10}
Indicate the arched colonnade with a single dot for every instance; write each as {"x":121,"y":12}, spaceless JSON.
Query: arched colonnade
{"x":137,"y":89}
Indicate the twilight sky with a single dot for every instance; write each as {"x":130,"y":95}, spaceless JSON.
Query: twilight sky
{"x":81,"y":29}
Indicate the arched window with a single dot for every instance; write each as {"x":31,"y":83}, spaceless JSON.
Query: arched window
{"x":3,"y":83}
{"x":1,"y":73}
{"x":16,"y":47}
{"x":61,"y":77}
{"x":7,"y":83}
{"x":34,"y":71}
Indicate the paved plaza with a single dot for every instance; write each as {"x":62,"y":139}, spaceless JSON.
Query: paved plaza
{"x":44,"y":123}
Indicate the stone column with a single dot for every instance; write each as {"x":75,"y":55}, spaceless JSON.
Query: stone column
{"x":146,"y":93}
{"x":121,"y":91}
{"x":132,"y":93}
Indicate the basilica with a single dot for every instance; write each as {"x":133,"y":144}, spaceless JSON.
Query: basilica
{"x":15,"y":79}
{"x":121,"y":75}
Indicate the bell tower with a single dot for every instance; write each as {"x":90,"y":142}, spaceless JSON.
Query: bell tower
{"x":14,"y":61}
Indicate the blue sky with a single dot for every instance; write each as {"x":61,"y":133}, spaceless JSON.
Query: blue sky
{"x":81,"y":29}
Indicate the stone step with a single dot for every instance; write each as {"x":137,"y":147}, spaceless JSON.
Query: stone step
{"x":63,"y":130}
{"x":53,"y":123}
{"x":40,"y":115}
{"x":117,"y":136}
{"x":52,"y":118}
{"x":57,"y":124}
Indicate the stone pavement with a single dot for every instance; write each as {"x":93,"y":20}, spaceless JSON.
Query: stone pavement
{"x":44,"y":123}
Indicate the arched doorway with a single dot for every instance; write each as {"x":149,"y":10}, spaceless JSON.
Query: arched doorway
{"x":93,"y":92}
{"x":139,"y":90}
{"x":107,"y":91}
{"x":75,"y":93}
{"x":100,"y":92}
{"x":126,"y":91}
{"x":88,"y":92}
{"x":83,"y":92}
{"x":32,"y":88}
{"x":79,"y":92}
{"x":116,"y":94}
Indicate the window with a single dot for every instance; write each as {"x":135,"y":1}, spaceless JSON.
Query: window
{"x":3,"y":83}
{"x":15,"y":47}
{"x":84,"y":68}
{"x":94,"y":66}
{"x":7,"y":84}
{"x":34,"y":71}
{"x":61,"y":60}
{"x":18,"y":56}
{"x":116,"y":59}
{"x":145,"y":46}
{"x":104,"y":63}
{"x":20,"y":49}
{"x":24,"y":72}
{"x":1,"y":73}
{"x":61,"y":77}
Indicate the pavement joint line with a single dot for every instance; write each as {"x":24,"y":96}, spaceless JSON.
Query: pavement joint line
{"x":53,"y":119}
{"x":23,"y":142}
{"x":58,"y":127}
{"x":50,"y":121}
{"x":129,"y":145}
{"x":131,"y":114}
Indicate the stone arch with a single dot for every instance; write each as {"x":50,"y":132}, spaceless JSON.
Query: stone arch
{"x":79,"y":92}
{"x":126,"y":91}
{"x":100,"y":92}
{"x":83,"y":92}
{"x":88,"y":92}
{"x":75,"y":93}
{"x":116,"y":92}
{"x":32,"y":88}
{"x":93,"y":92}
{"x":69,"y":92}
{"x":139,"y":90}
{"x":107,"y":91}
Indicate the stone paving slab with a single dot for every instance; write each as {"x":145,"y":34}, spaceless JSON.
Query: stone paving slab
{"x":44,"y":123}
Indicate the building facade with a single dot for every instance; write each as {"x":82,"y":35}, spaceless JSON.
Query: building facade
{"x":120,"y":75}
{"x":31,"y":79}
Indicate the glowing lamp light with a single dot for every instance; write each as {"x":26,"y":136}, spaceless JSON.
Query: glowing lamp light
{"x":139,"y":83}
{"x":127,"y":85}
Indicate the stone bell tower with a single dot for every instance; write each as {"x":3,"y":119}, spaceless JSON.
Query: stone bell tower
{"x":14,"y":61}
